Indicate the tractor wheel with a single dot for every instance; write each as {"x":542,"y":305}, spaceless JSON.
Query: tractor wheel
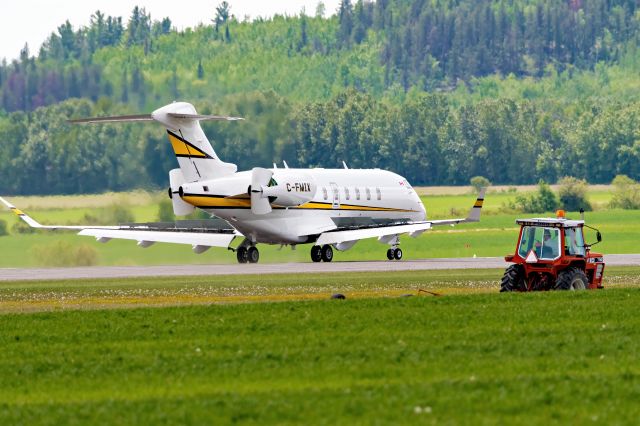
{"x":571,"y":279}
{"x":513,"y":279}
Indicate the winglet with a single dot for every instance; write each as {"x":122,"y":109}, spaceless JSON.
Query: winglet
{"x":474,"y":213}
{"x":31,"y":222}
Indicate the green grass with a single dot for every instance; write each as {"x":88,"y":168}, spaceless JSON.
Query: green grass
{"x":30,"y":296}
{"x":461,"y":359}
{"x":495,"y":235}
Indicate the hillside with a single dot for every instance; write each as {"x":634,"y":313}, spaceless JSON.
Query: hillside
{"x":517,"y":91}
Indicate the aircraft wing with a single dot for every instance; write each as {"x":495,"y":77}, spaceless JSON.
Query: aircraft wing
{"x":201,"y":235}
{"x":344,"y":239}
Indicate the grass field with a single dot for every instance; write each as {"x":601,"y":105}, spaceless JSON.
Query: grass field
{"x":56,"y":295}
{"x":488,"y":358}
{"x":495,"y":235}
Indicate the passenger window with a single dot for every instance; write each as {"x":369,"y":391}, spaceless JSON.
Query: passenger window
{"x":346,"y":193}
{"x":357,"y":193}
{"x":325,"y":194}
{"x":379,"y":193}
{"x":368,"y":194}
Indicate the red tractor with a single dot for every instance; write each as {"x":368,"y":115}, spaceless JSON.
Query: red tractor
{"x":551,"y":255}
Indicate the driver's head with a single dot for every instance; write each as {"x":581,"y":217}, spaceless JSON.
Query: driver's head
{"x":547,"y":234}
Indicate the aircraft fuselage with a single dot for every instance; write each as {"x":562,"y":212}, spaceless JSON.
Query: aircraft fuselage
{"x":307,"y":202}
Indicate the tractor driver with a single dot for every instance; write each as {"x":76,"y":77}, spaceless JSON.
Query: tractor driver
{"x":549,"y":246}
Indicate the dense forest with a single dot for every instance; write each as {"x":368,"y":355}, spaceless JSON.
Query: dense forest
{"x":437,"y":90}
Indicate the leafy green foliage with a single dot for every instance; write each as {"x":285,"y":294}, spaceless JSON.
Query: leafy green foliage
{"x":545,"y":200}
{"x":573,"y":194}
{"x":114,"y":214}
{"x":520,"y":91}
{"x":479,"y":182}
{"x":3,"y":228}
{"x":21,"y":227}
{"x":65,"y":254}
{"x":626,"y":193}
{"x":165,"y":211}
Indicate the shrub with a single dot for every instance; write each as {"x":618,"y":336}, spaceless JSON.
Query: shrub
{"x":539,"y":202}
{"x":119,"y":214}
{"x":21,"y":227}
{"x":165,"y":211}
{"x":479,"y":182}
{"x":573,"y":194}
{"x":626,"y":193}
{"x":3,"y":228}
{"x":112,"y":215}
{"x":63,"y":253}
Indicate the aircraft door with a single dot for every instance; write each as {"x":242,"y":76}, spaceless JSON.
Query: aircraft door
{"x":335,"y":196}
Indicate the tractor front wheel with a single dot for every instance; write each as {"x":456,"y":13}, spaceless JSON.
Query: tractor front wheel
{"x":513,"y":279}
{"x":571,"y":279}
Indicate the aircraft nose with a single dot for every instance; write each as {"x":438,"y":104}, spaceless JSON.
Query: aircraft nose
{"x":422,"y":209}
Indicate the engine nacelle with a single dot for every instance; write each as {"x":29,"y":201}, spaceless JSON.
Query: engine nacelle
{"x":290,"y":188}
{"x":176,"y":180}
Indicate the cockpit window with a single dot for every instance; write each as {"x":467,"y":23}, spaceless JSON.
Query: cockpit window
{"x":545,"y":242}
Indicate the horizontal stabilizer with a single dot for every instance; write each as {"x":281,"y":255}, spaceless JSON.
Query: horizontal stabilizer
{"x":199,"y":117}
{"x":149,"y":117}
{"x":114,"y":119}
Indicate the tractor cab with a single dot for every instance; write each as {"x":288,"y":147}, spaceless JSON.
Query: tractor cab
{"x":552,"y":255}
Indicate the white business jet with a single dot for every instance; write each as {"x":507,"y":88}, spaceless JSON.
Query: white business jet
{"x":328,"y":208}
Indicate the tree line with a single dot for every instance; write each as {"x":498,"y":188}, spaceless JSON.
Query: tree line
{"x":424,"y":138}
{"x":372,"y":46}
{"x":316,"y":91}
{"x":436,"y":43}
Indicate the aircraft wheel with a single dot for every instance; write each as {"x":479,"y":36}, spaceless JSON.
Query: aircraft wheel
{"x":242,"y":255}
{"x":316,"y":253}
{"x":397,"y":253}
{"x":327,"y":253}
{"x":253,"y":254}
{"x":390,"y":254}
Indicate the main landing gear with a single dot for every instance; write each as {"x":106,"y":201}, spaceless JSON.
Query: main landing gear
{"x":394,"y":253}
{"x":324,"y":253}
{"x":248,"y":254}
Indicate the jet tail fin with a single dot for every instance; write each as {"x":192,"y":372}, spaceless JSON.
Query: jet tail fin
{"x":196,"y":157}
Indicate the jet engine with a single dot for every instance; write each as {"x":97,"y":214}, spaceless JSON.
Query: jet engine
{"x":290,"y":188}
{"x":286,"y":188}
{"x":180,"y":208}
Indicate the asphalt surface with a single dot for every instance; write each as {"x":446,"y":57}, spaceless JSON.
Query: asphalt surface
{"x":11,"y":274}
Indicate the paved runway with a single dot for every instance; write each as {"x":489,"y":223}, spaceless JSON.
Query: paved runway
{"x":9,"y":274}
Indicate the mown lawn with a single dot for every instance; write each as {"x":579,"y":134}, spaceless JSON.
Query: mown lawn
{"x":460,"y":359}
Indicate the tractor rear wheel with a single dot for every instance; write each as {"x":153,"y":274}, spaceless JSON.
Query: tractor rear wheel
{"x":571,"y":279}
{"x":513,"y":279}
